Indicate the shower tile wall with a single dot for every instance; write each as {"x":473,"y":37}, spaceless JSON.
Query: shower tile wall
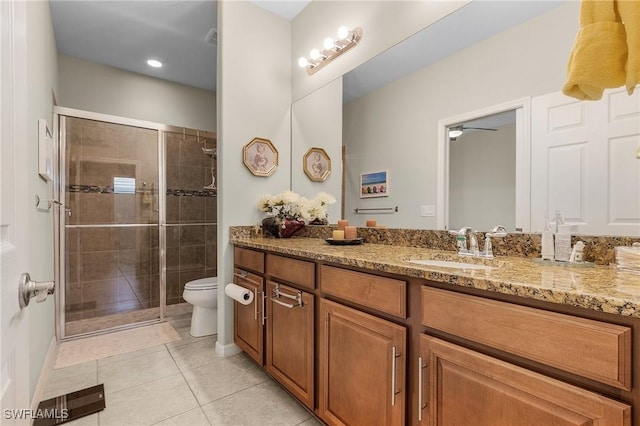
{"x":191,"y":212}
{"x":110,"y":269}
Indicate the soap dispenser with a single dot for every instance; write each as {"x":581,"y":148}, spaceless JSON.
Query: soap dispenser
{"x":547,"y":240}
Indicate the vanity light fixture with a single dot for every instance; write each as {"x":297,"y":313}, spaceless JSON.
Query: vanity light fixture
{"x":154,"y":63}
{"x":332,"y":49}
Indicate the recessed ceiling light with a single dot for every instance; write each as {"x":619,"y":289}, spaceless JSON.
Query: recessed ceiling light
{"x":154,"y":63}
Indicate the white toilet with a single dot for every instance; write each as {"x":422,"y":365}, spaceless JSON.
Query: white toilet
{"x":203,"y":295}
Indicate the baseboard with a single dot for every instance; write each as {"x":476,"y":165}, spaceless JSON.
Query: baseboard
{"x":49,"y":363}
{"x":227,"y":350}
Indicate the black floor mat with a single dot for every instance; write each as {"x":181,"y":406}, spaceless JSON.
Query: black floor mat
{"x":72,"y":406}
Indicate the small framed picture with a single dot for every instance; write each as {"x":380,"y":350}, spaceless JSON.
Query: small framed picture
{"x":260,"y":157}
{"x":374,"y":184}
{"x":316,"y":164}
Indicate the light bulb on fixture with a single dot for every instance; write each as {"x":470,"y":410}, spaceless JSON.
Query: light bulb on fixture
{"x":329,"y":43}
{"x":343,"y":32}
{"x":315,"y":54}
{"x":332,"y":48}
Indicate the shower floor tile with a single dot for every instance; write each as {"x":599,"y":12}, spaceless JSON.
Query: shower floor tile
{"x":158,"y":386}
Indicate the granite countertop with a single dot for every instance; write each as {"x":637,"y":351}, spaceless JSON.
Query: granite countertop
{"x":599,"y":288}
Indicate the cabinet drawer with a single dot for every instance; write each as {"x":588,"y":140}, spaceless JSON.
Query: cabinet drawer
{"x":383,"y":294}
{"x":592,"y":349}
{"x":248,"y":259}
{"x":464,"y":387}
{"x":292,"y":270}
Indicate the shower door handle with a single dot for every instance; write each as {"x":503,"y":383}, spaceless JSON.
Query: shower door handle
{"x":28,"y":289}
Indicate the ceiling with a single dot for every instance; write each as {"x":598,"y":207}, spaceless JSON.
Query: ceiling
{"x":124,"y":34}
{"x":472,"y":23}
{"x":182,"y":34}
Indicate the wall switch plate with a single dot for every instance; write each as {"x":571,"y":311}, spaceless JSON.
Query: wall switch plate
{"x":428,"y":211}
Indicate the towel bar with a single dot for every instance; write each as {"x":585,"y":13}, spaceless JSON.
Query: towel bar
{"x":379,"y":209}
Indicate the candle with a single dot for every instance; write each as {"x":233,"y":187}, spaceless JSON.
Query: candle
{"x":371,"y":223}
{"x":338,"y":234}
{"x":342,"y":224}
{"x":350,"y":233}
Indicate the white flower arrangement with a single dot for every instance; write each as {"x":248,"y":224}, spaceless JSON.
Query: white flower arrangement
{"x":290,"y":205}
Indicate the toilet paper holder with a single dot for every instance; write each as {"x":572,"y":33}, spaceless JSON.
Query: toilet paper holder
{"x":28,"y":289}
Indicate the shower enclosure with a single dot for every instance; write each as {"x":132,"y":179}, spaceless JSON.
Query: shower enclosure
{"x":138,"y":220}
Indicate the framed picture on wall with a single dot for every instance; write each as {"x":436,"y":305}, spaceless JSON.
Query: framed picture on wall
{"x":374,"y":184}
{"x":260,"y":157}
{"x":316,"y":164}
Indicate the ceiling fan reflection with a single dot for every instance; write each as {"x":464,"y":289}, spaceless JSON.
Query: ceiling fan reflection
{"x":456,"y":131}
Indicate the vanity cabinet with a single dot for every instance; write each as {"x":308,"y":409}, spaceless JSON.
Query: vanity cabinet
{"x":464,"y":387}
{"x":362,"y":367}
{"x":290,"y":332}
{"x":361,"y":347}
{"x":249,"y":320}
{"x":290,"y":340}
{"x":362,"y":356}
{"x":458,"y":385}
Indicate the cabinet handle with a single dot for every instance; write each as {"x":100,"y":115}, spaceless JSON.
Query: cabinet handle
{"x":394,"y":356}
{"x":264,"y":316}
{"x":255,"y":304}
{"x":421,"y":405}
{"x":243,"y":276}
{"x":286,"y":305}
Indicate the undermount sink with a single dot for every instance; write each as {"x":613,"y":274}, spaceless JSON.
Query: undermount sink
{"x":449,"y":264}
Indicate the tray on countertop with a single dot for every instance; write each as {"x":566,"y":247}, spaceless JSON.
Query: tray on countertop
{"x":352,"y":242}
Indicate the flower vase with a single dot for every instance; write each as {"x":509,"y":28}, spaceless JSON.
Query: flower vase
{"x":318,"y":221}
{"x":282,"y":228}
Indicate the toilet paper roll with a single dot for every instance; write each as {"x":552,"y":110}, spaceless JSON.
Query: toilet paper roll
{"x":239,"y":293}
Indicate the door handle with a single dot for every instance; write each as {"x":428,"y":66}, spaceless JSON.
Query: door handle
{"x":28,"y":289}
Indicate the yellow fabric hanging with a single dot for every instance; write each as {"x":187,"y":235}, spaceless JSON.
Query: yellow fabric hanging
{"x":599,"y":55}
{"x":630,"y":13}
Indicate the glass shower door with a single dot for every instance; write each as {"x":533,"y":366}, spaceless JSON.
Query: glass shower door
{"x":110,"y":230}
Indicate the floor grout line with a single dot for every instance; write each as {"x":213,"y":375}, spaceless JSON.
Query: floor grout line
{"x":195,"y":355}
{"x":189,"y":386}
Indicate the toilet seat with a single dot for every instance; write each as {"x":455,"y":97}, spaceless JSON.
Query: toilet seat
{"x":202,"y":284}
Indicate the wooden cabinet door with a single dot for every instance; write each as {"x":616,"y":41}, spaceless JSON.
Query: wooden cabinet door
{"x":248,"y":320}
{"x":290,"y":340}
{"x":465,"y":387}
{"x":362,"y":368}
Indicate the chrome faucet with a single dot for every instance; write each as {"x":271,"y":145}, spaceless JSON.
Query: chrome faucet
{"x":497,"y":232}
{"x":461,"y":241}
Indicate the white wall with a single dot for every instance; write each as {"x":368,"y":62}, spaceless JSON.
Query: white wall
{"x":99,"y":88}
{"x":527,"y":60}
{"x":254,"y":100}
{"x":482,"y":185}
{"x":384,"y":24}
{"x":316,"y":121}
{"x":42,"y":78}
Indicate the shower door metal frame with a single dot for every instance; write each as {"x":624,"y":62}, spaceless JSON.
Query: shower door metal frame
{"x":60,"y":114}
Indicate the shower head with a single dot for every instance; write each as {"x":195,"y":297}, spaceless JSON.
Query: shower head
{"x":211,"y":152}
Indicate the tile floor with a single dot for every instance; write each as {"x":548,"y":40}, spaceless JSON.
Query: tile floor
{"x":183,"y":382}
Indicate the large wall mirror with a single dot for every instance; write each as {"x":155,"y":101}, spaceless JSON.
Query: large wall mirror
{"x":482,"y":56}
